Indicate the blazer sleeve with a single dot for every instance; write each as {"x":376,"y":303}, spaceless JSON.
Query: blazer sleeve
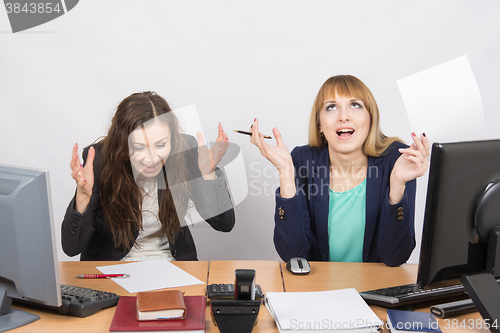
{"x":396,"y":238}
{"x":211,"y":197}
{"x":77,"y":229}
{"x":292,"y":230}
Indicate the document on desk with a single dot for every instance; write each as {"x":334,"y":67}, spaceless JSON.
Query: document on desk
{"x":338,"y":311}
{"x":150,"y":275}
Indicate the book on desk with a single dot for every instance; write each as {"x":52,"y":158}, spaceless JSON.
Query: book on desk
{"x":399,"y":321}
{"x":161,"y":305}
{"x":125,"y":317}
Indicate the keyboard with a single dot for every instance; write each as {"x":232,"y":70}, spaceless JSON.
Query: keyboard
{"x":83,"y":302}
{"x":409,"y":294}
{"x":226,"y":291}
{"x":78,"y":301}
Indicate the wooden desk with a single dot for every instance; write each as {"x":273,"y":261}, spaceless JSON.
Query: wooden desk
{"x":368,"y":276}
{"x":323,"y":276}
{"x":51,"y":322}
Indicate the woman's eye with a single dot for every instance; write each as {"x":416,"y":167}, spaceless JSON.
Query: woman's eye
{"x":138,"y":148}
{"x":161,"y":145}
{"x":356,"y":105}
{"x":331,"y":107}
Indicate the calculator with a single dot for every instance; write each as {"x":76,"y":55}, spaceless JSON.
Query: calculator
{"x":223,"y":290}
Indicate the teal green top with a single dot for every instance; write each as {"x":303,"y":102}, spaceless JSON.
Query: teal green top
{"x":346,"y":224}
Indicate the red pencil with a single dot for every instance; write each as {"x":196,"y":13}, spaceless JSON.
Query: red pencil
{"x":102,"y":276}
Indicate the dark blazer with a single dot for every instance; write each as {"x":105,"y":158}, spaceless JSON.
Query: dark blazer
{"x":89,"y":234}
{"x":303,"y":229}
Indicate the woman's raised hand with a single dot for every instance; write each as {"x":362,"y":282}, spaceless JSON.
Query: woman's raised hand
{"x":279,"y":156}
{"x":84,"y":177}
{"x":209,"y":158}
{"x":412,"y":163}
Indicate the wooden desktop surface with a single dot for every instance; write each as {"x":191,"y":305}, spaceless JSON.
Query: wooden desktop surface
{"x":369,"y":276}
{"x":271,"y":276}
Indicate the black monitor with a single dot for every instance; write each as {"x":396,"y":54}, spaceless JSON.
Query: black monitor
{"x":28,"y":257}
{"x":462,"y":211}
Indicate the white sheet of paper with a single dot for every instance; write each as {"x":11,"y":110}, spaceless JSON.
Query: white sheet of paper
{"x":189,"y":121}
{"x":444,"y":102}
{"x":333,"y":309}
{"x":150,"y":275}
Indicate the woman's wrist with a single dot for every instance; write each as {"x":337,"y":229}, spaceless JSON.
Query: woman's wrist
{"x":210,"y":176}
{"x":287,"y":182}
{"x":396,"y":191}
{"x":81,"y":203}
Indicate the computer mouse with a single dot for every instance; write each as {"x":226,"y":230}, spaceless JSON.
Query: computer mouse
{"x":298,"y":266}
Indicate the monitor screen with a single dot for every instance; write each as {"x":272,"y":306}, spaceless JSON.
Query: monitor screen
{"x":459,"y":174}
{"x":28,"y":259}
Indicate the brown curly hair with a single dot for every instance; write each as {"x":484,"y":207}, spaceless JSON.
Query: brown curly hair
{"x":121,"y":196}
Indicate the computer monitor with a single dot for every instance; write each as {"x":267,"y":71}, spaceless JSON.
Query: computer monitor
{"x":462,"y":209}
{"x":28,"y":258}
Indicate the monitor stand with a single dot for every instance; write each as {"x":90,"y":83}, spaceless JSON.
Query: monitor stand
{"x":12,"y":318}
{"x":483,"y":288}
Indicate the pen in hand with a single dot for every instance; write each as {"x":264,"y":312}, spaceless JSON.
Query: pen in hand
{"x":102,"y":276}
{"x":248,"y":133}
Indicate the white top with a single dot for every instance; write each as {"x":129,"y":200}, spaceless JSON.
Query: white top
{"x":148,"y":247}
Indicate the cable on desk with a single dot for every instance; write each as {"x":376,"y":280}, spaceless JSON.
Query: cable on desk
{"x":208,"y":274}
{"x":282,"y":279}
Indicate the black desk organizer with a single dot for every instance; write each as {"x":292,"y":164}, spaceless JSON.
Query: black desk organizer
{"x":238,"y":314}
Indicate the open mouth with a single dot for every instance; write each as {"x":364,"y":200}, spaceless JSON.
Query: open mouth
{"x":345,"y":133}
{"x":151,"y":168}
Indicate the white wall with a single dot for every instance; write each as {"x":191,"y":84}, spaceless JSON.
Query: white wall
{"x":236,"y":60}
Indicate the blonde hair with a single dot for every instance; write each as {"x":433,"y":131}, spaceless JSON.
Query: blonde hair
{"x":349,"y":86}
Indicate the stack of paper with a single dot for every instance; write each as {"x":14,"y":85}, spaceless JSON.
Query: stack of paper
{"x":339,"y":311}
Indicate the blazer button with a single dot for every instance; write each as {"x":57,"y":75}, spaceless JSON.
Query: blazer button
{"x":224,"y":203}
{"x":221,"y":183}
{"x":400,"y":209}
{"x":73,"y":231}
{"x":74,"y":225}
{"x":76,"y":217}
{"x":400,"y":213}
{"x":174,"y":253}
{"x":400,"y":218}
{"x":281,"y":213}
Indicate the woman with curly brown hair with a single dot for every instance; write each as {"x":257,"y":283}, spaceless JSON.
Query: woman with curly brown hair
{"x":349,"y":195}
{"x":135,"y":186}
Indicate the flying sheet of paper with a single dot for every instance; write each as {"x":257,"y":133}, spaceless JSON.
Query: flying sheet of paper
{"x":234,"y":166}
{"x":444,"y":102}
{"x":150,"y":275}
{"x":189,"y":121}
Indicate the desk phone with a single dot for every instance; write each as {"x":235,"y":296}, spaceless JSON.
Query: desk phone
{"x":223,"y":290}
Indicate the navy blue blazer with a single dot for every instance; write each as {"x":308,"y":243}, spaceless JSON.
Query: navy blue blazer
{"x":301,"y":222}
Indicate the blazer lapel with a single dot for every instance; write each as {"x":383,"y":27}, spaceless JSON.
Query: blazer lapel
{"x":374,"y":178}
{"x":320,"y":193}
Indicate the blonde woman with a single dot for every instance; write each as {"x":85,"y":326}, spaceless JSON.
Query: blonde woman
{"x":349,"y":195}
